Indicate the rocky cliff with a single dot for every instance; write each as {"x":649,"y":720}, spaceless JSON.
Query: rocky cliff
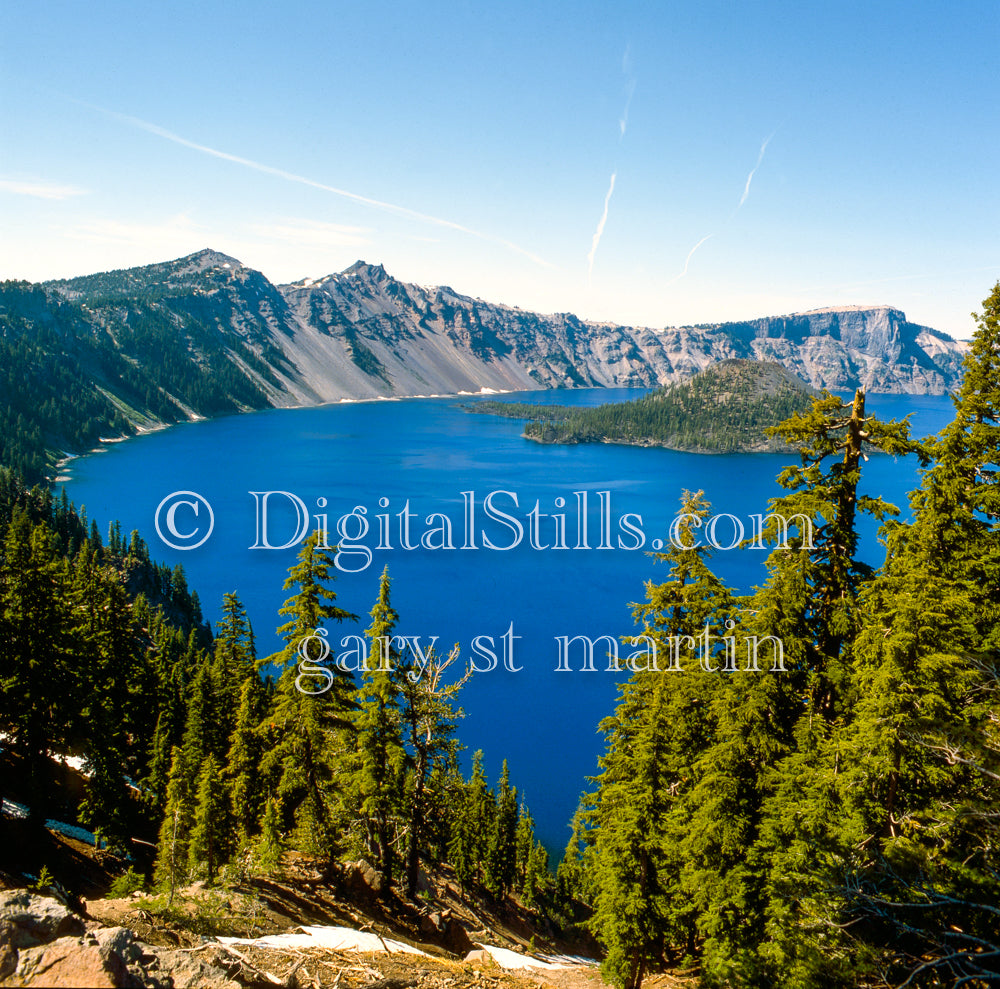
{"x":106,"y":354}
{"x":362,"y":334}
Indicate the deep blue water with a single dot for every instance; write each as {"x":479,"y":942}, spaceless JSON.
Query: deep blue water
{"x":427,"y":452}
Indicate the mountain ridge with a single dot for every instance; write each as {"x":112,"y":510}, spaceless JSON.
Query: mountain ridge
{"x":393,"y":332}
{"x":204,"y":335}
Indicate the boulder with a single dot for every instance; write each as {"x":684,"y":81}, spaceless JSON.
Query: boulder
{"x":71,"y":961}
{"x":456,"y":937}
{"x":362,"y":880}
{"x":28,"y":919}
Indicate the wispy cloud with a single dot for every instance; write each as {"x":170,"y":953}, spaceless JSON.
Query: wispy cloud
{"x":687,"y":260}
{"x":40,"y":190}
{"x":753,"y":171}
{"x":313,"y":233}
{"x":314,"y":184}
{"x":599,"y":232}
{"x":175,"y":230}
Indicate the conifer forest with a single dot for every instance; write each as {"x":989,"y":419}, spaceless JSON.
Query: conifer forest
{"x":833,"y":823}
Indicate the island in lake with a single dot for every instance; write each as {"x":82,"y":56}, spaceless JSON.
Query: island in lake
{"x":727,"y":408}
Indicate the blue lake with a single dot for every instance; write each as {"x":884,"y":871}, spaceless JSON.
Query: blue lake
{"x":377,"y":457}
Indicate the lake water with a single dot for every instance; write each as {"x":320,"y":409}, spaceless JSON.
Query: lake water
{"x":434,"y":455}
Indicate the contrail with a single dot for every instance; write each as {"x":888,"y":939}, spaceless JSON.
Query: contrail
{"x":312,"y":183}
{"x":598,"y":233}
{"x":687,"y":261}
{"x":629,"y":90}
{"x":753,"y":171}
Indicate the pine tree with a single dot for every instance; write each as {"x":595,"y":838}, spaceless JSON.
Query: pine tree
{"x":175,"y":831}
{"x":501,"y":849}
{"x":429,"y":719}
{"x":757,"y":778}
{"x":576,"y":866}
{"x":242,"y":770}
{"x":210,"y":844}
{"x":234,"y":656}
{"x":524,"y":842}
{"x":472,"y":824}
{"x":113,"y":708}
{"x":920,"y":768}
{"x":378,"y":774}
{"x":39,"y":683}
{"x":537,"y":878}
{"x":639,"y":821}
{"x":308,"y":725}
{"x":268,"y":847}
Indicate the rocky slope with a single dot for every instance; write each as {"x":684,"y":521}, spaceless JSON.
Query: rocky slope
{"x":109,"y":353}
{"x":363,"y":334}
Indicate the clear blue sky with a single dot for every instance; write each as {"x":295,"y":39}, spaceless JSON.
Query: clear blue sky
{"x":830,"y":153}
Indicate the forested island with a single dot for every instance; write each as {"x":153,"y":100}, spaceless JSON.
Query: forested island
{"x":727,"y":408}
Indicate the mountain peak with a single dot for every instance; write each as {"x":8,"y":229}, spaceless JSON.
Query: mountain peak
{"x":374,"y":272}
{"x":207,"y":258}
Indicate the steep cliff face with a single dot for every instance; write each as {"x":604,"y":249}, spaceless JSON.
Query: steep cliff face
{"x":408,"y":339}
{"x":362,"y":334}
{"x":847,"y":346}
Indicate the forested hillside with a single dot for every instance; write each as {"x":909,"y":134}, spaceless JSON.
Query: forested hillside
{"x":726,"y":408}
{"x":830,"y":820}
{"x":74,"y":372}
{"x":107,"y":354}
{"x":104,"y":655}
{"x":822,"y":812}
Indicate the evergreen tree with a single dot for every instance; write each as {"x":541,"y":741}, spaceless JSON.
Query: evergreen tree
{"x":308,"y":723}
{"x":537,"y":878}
{"x":175,"y":831}
{"x":501,"y":850}
{"x":234,"y":659}
{"x":378,"y":775}
{"x":268,"y":847}
{"x":242,"y":770}
{"x":209,"y":844}
{"x":921,"y":772}
{"x":639,"y":822}
{"x":429,"y":719}
{"x":473,"y":823}
{"x":524,"y":842}
{"x":39,"y":682}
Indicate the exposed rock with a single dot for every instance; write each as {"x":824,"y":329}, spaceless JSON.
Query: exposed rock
{"x":480,"y":956}
{"x":37,"y":948}
{"x":363,"y":334}
{"x":72,"y":962}
{"x":28,"y":919}
{"x":361,"y":879}
{"x":456,"y":937}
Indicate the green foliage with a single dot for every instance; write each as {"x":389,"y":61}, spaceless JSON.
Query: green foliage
{"x":87,"y":359}
{"x":211,"y":831}
{"x":501,"y":850}
{"x":378,"y":774}
{"x":833,"y":823}
{"x":725,"y":409}
{"x":305,"y":732}
{"x":126,"y":884}
{"x":266,"y":855}
{"x":45,"y":879}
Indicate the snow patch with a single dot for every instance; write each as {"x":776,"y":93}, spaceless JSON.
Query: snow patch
{"x":331,"y":938}
{"x":72,"y":831}
{"x":15,"y":810}
{"x":511,"y":960}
